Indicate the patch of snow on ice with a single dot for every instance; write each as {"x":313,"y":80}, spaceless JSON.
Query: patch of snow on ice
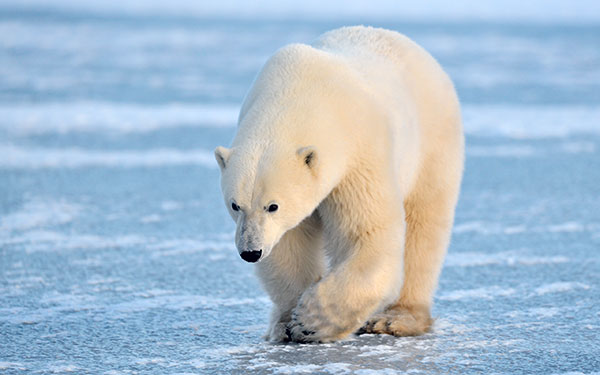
{"x":95,"y":280}
{"x":544,"y":312}
{"x":537,"y":260}
{"x":187,"y":246}
{"x":216,"y":257}
{"x":16,"y":157}
{"x":60,"y":368}
{"x":31,"y":119}
{"x":477,"y":227}
{"x":537,"y":312}
{"x":150,"y":361}
{"x":471,"y":259}
{"x":56,"y":304}
{"x":44,"y":240}
{"x":384,"y":371}
{"x":521,"y":151}
{"x":560,"y":287}
{"x":377,"y":350}
{"x":296,"y":369}
{"x":170,"y":206}
{"x":501,"y":151}
{"x":568,"y":227}
{"x":12,"y":365}
{"x":492,"y":228}
{"x":68,"y":301}
{"x":197,"y":363}
{"x":515,"y":229}
{"x":154,"y":218}
{"x":529,"y":122}
{"x":180,"y":302}
{"x":446,"y":326}
{"x":224,"y":351}
{"x":38,"y":213}
{"x":579,"y":147}
{"x":479,"y":293}
{"x":41,"y":240}
{"x":337,"y":368}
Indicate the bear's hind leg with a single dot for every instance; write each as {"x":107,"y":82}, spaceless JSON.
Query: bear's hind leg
{"x":429,"y":218}
{"x":400,"y":321}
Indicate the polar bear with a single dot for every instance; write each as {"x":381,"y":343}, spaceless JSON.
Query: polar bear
{"x":343,"y":178}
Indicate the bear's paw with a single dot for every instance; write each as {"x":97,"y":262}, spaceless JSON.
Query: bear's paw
{"x":399,"y":321}
{"x":309,"y":322}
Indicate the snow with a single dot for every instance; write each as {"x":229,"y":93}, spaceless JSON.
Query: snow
{"x":479,"y":293}
{"x":36,"y":158}
{"x":58,"y":117}
{"x":560,"y":287}
{"x":567,"y":227}
{"x":522,"y":122}
{"x":489,"y":228}
{"x":62,"y":368}
{"x":39,"y":213}
{"x":154,"y":218}
{"x":461,"y":10}
{"x":117,"y":255}
{"x":11,"y":365}
{"x":511,"y":258}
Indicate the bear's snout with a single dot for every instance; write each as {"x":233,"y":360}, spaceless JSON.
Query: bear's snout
{"x":251,"y":256}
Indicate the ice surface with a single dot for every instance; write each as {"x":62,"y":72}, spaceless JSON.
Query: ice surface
{"x":106,"y":117}
{"x":117,"y":254}
{"x":36,"y":158}
{"x":460,"y":10}
{"x":560,"y":287}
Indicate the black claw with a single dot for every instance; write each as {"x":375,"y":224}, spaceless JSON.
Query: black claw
{"x":301,"y":340}
{"x":308,"y":333}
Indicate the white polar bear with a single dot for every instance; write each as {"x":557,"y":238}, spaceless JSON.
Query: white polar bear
{"x":343,"y":178}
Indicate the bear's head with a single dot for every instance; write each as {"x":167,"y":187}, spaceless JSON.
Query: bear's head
{"x":268,"y":190}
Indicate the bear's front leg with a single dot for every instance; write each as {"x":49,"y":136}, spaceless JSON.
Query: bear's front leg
{"x":344,"y":300}
{"x":336,"y":307}
{"x":321,"y":316}
{"x":294,"y":264}
{"x":364,"y":227}
{"x":362,"y":283}
{"x":277,"y":331}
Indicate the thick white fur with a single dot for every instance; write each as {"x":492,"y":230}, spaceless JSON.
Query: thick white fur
{"x":358,"y":139}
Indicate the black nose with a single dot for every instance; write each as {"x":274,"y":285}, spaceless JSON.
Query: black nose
{"x":251,"y":256}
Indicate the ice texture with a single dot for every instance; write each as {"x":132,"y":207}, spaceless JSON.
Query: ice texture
{"x":117,"y":252}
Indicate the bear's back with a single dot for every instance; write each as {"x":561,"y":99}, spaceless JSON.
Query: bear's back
{"x":409,"y":69}
{"x":361,"y":40}
{"x":364,"y":44}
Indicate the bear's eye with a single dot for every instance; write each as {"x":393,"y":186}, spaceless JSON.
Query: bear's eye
{"x":235,"y":207}
{"x":272,"y":208}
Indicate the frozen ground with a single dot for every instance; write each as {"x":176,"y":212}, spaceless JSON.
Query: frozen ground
{"x":116,"y":253}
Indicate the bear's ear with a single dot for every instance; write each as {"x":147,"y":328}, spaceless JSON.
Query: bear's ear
{"x":222,"y":155}
{"x":309,"y":156}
